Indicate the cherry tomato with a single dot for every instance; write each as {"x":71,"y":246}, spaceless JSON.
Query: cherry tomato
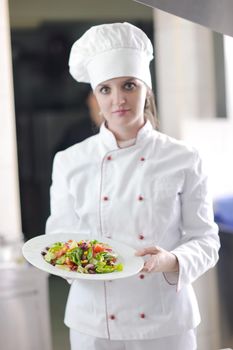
{"x":98,"y":248}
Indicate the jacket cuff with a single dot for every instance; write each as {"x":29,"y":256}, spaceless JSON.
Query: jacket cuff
{"x":172,"y":278}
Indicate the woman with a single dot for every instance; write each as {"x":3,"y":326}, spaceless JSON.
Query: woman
{"x":140,"y":187}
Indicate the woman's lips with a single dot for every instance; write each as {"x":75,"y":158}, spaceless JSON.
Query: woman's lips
{"x":121,"y":111}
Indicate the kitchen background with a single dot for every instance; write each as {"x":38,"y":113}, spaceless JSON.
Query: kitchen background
{"x":193,"y":84}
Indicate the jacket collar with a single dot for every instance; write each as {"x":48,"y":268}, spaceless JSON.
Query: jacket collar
{"x":109,"y":140}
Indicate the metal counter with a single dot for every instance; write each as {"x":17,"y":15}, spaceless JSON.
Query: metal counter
{"x":24,"y":316}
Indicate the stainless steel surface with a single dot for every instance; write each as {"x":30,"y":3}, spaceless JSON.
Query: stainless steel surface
{"x":23,"y":300}
{"x":24,"y":317}
{"x":214,"y":14}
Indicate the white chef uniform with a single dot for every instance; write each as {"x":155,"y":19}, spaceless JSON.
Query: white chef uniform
{"x":151,"y":193}
{"x":183,"y":341}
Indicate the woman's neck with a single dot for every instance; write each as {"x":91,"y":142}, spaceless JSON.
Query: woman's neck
{"x":124,"y":134}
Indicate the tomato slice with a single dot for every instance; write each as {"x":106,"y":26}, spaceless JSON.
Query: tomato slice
{"x":98,"y":248}
{"x":62,"y":251}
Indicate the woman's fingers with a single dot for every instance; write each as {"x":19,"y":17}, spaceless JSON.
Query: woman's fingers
{"x":148,"y":250}
{"x":160,"y":260}
{"x":150,"y":265}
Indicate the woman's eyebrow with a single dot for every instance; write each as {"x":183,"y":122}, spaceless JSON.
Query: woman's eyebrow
{"x":100,"y":86}
{"x":129,"y":80}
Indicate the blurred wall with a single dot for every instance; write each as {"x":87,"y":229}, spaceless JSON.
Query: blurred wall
{"x":195,"y":92}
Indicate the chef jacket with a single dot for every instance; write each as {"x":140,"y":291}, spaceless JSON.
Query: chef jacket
{"x":151,"y":193}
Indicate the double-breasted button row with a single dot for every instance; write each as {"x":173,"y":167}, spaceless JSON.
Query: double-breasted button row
{"x":142,"y":159}
{"x":140,"y":198}
{"x":140,"y":236}
{"x":113,"y":317}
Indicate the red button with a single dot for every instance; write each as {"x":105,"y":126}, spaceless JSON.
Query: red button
{"x":105,"y":198}
{"x":142,"y":315}
{"x":109,"y":158}
{"x":112,"y":317}
{"x":142,"y":159}
{"x":141,"y":276}
{"x":140,"y":198}
{"x":141,"y":236}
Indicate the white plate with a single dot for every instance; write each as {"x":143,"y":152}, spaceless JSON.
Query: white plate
{"x":126,"y":255}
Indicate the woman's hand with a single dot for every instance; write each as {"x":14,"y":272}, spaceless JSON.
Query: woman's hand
{"x":160,"y":260}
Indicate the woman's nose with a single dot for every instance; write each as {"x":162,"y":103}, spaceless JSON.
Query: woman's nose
{"x":118,"y":98}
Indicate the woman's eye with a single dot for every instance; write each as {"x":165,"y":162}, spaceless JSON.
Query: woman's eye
{"x":129,"y":86}
{"x":104,"y":90}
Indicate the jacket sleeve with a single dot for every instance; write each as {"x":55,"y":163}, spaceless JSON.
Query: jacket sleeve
{"x":198,"y":250}
{"x":63,"y":218}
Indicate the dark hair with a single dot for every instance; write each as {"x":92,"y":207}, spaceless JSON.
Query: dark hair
{"x":150,"y":111}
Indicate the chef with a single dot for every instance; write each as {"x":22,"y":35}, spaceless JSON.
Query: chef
{"x":136,"y":185}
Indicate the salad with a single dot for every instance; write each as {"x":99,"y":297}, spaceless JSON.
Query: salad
{"x":85,"y":256}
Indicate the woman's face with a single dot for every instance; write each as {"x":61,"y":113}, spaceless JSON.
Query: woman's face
{"x":122,"y":101}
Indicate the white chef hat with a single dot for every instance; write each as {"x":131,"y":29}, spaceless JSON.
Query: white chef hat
{"x":109,"y":51}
